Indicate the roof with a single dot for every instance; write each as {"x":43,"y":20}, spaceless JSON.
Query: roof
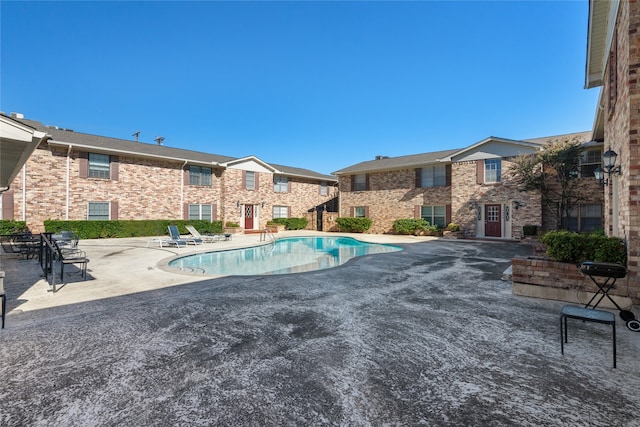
{"x":17,"y":142}
{"x":582,"y":137}
{"x":99,"y":143}
{"x":382,"y":163}
{"x":602,"y":19}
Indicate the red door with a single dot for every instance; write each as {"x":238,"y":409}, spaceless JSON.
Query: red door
{"x":248,"y":217}
{"x":492,"y":220}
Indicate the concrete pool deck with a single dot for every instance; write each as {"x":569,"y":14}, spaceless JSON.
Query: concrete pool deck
{"x":430,"y":335}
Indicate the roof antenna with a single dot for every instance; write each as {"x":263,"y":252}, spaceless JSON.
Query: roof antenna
{"x":159,"y":139}
{"x":136,"y":133}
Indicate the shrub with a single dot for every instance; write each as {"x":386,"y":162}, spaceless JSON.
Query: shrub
{"x":353,"y":225}
{"x":567,"y":246}
{"x":453,"y":227}
{"x":129,"y":228}
{"x":231,"y":224}
{"x":409,"y":225}
{"x":9,"y":226}
{"x":292,"y":223}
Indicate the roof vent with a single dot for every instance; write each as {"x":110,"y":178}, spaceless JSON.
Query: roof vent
{"x":159,"y":139}
{"x":17,"y":116}
{"x":381,"y":157}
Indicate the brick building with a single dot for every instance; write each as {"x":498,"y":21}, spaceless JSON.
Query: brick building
{"x":613,"y":64}
{"x":472,"y":187}
{"x":78,"y":176}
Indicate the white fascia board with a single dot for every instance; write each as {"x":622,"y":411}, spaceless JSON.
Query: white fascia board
{"x":488,"y":140}
{"x":95,"y":149}
{"x":595,"y":66}
{"x":264,"y":164}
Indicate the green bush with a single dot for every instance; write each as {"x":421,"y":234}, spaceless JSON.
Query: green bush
{"x":567,"y":246}
{"x":231,"y":224}
{"x":353,"y":225}
{"x":292,"y":223}
{"x":9,"y":226}
{"x":409,"y":225}
{"x":453,"y":227}
{"x":129,"y":228}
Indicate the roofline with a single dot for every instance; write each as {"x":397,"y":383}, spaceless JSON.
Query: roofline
{"x":132,"y":153}
{"x":496,"y":139}
{"x":244,"y":159}
{"x":596,"y":78}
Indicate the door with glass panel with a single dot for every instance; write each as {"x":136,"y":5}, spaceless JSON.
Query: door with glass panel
{"x":248,"y":217}
{"x":492,"y":220}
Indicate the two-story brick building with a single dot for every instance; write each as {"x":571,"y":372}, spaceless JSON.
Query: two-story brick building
{"x":472,"y":187}
{"x":613,"y":64}
{"x":78,"y":176}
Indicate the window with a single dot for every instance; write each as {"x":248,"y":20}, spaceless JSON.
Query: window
{"x":250,"y":180}
{"x":589,"y":161}
{"x":360,"y":182}
{"x":492,"y":170}
{"x":280,"y":184}
{"x":98,"y":211}
{"x":360,"y":212}
{"x":324,"y":190}
{"x":98,"y":166}
{"x":200,"y":212}
{"x":433,"y":176}
{"x":280,"y":212}
{"x":434,"y":215}
{"x":583,"y":218}
{"x":199,"y":176}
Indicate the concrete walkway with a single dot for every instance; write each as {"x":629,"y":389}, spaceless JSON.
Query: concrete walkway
{"x":430,"y":335}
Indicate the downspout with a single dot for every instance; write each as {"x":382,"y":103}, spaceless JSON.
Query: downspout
{"x":68,"y":185}
{"x":24,"y":192}
{"x":181,"y":207}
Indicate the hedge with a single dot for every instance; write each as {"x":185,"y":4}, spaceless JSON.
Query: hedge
{"x":9,"y":226}
{"x":353,"y":225}
{"x":567,"y":246}
{"x":409,"y":225}
{"x":292,"y":223}
{"x":129,"y":228}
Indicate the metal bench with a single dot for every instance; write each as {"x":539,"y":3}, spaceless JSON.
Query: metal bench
{"x":586,"y":315}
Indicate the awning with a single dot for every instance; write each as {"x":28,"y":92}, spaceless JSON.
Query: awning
{"x":17,"y":142}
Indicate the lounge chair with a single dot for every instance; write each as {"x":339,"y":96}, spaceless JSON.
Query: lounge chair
{"x":179,"y":240}
{"x":207,"y":238}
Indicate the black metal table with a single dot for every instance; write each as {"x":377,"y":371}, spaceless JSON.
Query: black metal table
{"x":608,"y":273}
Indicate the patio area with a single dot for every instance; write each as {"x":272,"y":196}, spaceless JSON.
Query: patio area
{"x":429,"y":335}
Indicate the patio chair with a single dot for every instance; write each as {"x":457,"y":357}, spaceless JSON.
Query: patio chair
{"x":176,"y":238}
{"x":207,"y":238}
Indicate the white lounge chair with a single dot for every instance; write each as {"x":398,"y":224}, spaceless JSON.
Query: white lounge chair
{"x":207,"y":238}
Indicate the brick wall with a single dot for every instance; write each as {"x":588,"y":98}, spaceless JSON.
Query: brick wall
{"x":145,"y":189}
{"x":392,"y":195}
{"x":622,"y":125}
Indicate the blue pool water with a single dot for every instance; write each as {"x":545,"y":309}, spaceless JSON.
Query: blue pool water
{"x":288,"y":255}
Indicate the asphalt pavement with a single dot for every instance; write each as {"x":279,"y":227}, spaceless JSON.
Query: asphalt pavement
{"x":430,"y":335}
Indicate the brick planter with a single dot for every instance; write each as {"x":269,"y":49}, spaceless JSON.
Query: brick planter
{"x":543,"y":278}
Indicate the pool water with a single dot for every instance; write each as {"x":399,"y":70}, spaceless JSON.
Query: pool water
{"x":284,"y":256}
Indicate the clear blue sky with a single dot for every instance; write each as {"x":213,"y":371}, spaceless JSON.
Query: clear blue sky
{"x":319,"y":85}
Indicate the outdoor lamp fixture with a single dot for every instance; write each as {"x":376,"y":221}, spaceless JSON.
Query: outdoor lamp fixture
{"x":608,"y":161}
{"x":516,"y":204}
{"x":263,"y":204}
{"x":238,"y":204}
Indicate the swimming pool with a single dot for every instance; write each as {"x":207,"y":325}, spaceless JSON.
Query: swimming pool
{"x":284,"y":256}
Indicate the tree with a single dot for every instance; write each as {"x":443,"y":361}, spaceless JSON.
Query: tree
{"x":553,"y":173}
